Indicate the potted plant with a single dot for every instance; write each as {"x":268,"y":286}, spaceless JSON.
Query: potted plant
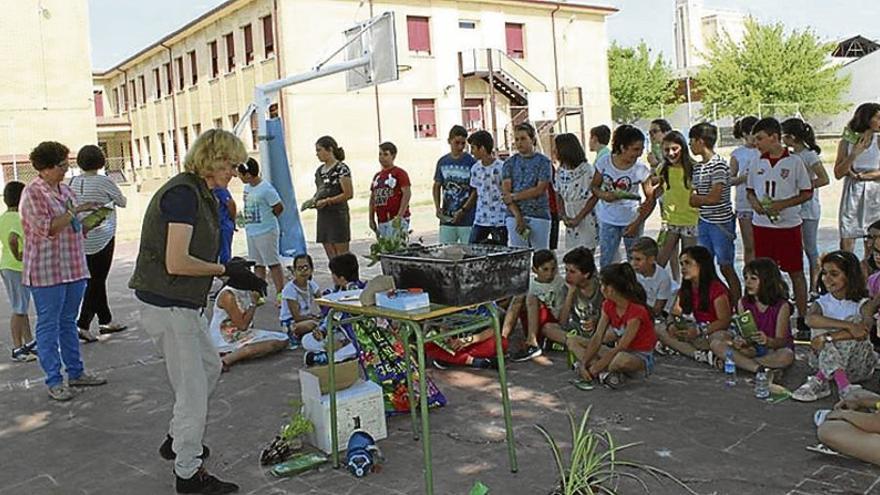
{"x":290,"y":438}
{"x":397,"y":241}
{"x":593,"y":465}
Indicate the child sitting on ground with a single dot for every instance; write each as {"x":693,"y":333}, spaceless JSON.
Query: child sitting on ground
{"x":623,"y":344}
{"x":704,"y":296}
{"x":345,"y":272}
{"x":839,"y":322}
{"x":853,"y":427}
{"x":652,"y":277}
{"x":299,"y":314}
{"x":543,"y":302}
{"x":767,"y":300}
{"x":231,"y":330}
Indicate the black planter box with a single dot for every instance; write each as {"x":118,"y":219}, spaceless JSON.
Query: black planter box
{"x":484,"y":273}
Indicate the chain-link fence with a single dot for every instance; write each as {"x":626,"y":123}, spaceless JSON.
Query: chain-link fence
{"x":116,"y":168}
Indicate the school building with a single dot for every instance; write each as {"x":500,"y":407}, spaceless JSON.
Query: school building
{"x":462,"y":62}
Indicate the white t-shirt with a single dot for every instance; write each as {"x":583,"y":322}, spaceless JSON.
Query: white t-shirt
{"x":305,"y":298}
{"x":838,"y":309}
{"x":811,"y":210}
{"x":623,"y":211}
{"x":784,"y":180}
{"x":869,"y":160}
{"x":486,"y":181}
{"x":657,"y":286}
{"x":552,"y":294}
{"x":744,"y":157}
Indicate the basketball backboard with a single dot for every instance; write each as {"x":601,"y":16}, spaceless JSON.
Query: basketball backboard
{"x":375,"y":38}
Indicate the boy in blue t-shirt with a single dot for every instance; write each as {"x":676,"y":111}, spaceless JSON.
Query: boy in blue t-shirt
{"x":452,"y":179}
{"x":12,"y":245}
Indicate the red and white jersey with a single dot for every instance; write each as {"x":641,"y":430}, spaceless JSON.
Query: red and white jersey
{"x":779,"y":179}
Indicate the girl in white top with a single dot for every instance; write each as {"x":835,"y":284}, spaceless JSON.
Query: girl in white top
{"x":839,"y":320}
{"x":231,"y":330}
{"x":799,"y":136}
{"x":858,"y":164}
{"x":299,"y":313}
{"x":740,"y":159}
{"x":575,"y":200}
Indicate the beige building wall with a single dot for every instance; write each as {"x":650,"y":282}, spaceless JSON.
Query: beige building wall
{"x":46,"y":88}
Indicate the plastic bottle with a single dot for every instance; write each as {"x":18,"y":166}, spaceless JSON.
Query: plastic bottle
{"x":762,"y":384}
{"x":729,"y":369}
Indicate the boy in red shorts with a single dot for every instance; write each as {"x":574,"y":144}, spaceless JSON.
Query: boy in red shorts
{"x":778,"y":182}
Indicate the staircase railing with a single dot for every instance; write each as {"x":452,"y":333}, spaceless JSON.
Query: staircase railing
{"x":477,"y":61}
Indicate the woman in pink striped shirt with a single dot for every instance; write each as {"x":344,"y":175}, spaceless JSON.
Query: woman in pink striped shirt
{"x":55,"y":268}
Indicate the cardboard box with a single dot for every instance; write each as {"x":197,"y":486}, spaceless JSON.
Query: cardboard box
{"x":404,"y":301}
{"x":347,"y":373}
{"x":359,"y":406}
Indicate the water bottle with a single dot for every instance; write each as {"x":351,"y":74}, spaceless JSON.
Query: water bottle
{"x":729,"y":369}
{"x":762,"y":384}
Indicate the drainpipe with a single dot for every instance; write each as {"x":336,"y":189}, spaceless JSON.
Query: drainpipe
{"x":130,"y":133}
{"x":555,"y":56}
{"x":376,"y":95}
{"x":176,"y":143}
{"x":278,"y":66}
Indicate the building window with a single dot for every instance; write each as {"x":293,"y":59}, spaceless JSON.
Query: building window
{"x":147,"y":151}
{"x":116,"y":101}
{"x":424,"y":124}
{"x":248,"y":44}
{"x":472,"y":114}
{"x":233,"y":119}
{"x":268,"y":37}
{"x":169,"y":78}
{"x":137,"y":146}
{"x":125,"y":97}
{"x":197,"y":130}
{"x":185,"y":138}
{"x":467,"y":24}
{"x":218,"y":123}
{"x":158,"y":81}
{"x":99,"y":102}
{"x":419,"y":34}
{"x":230,"y":52}
{"x":143,"y":82}
{"x":514,"y":35}
{"x":215,"y":59}
{"x":163,"y":158}
{"x":172,"y":136}
{"x":194,"y":68}
{"x":180,"y":79}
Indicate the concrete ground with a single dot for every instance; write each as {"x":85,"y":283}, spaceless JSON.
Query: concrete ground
{"x":714,"y":439}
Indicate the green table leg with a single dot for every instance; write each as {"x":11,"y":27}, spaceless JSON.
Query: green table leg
{"x":330,"y":339}
{"x":505,"y":399}
{"x":423,"y":410}
{"x":405,"y":335}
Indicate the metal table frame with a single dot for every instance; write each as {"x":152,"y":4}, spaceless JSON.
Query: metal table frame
{"x":413,"y":324}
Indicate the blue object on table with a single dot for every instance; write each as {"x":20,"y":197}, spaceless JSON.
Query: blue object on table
{"x":403,"y":300}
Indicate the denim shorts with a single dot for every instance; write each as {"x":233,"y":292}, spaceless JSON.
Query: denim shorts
{"x":718,"y":239}
{"x":647,"y":358}
{"x":19,"y":295}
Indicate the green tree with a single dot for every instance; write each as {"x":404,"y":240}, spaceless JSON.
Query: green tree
{"x":784,"y":72}
{"x":640,"y":84}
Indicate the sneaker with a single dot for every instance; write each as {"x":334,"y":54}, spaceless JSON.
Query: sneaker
{"x":22,"y":355}
{"x":315,"y":358}
{"x":440,"y":365}
{"x":204,"y":483}
{"x":167,"y":452}
{"x":850,"y":392}
{"x":485,"y":363}
{"x":61,"y":393}
{"x":86,"y":380}
{"x":111,"y":328}
{"x":31,"y":346}
{"x":526,"y":354}
{"x":701,"y":357}
{"x":819,"y":416}
{"x":803,"y":331}
{"x":293,"y":342}
{"x":612,"y":380}
{"x":812,"y":390}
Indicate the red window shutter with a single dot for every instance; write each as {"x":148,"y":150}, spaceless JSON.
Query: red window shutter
{"x":424,"y":121}
{"x":418,"y":34}
{"x":248,"y":45}
{"x":514,"y":35}
{"x":268,"y":36}
{"x":99,"y":103}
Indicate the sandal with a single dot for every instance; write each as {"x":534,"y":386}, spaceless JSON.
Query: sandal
{"x":581,"y":384}
{"x":111,"y":328}
{"x":86,"y":337}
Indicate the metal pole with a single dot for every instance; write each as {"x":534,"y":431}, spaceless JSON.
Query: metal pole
{"x":314,"y":74}
{"x":687,"y":82}
{"x":492,"y":96}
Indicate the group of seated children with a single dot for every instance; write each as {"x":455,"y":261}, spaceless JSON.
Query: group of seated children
{"x":611,"y":322}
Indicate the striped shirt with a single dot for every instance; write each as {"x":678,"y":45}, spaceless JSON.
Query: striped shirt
{"x":706,"y":175}
{"x":98,"y":189}
{"x":49,"y":260}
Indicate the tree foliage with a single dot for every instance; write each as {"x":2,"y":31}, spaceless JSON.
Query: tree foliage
{"x":639,"y":84}
{"x":778,"y":70}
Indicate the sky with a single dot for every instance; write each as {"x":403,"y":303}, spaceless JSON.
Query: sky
{"x":121,"y":28}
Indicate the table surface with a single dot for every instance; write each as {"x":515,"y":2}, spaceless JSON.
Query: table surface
{"x":355,"y":307}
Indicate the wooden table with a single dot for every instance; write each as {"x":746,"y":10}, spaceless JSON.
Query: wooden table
{"x":413,"y":324}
